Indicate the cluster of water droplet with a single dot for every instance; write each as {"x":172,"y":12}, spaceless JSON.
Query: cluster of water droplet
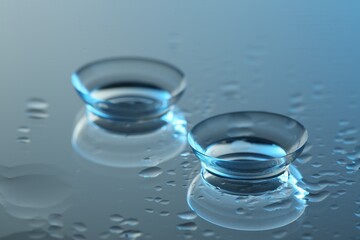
{"x":36,"y":108}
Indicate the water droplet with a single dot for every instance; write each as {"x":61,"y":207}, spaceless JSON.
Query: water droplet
{"x":208,"y":233}
{"x":357,"y":225}
{"x":164,"y":213}
{"x":130,"y":222}
{"x":355,"y":154}
{"x":188,"y":215}
{"x":307,"y":236}
{"x":149,"y":210}
{"x":240,"y":211}
{"x":171,"y":183}
{"x":357,"y":212}
{"x":171,"y":172}
{"x":316,"y":164}
{"x":116,"y":217}
{"x":185,"y":154}
{"x":131,"y":234}
{"x":188,"y":226}
{"x":37,"y":114}
{"x":334,"y":207}
{"x":56,"y":232}
{"x":79,"y":227}
{"x":341,"y":161}
{"x":158,"y":188}
{"x":280,"y":234}
{"x":56,"y":219}
{"x":151,"y":172}
{"x":157,"y":199}
{"x":307,"y":225}
{"x":318,"y":197}
{"x":343,"y":123}
{"x":164,"y":202}
{"x":23,"y":129}
{"x":116,"y":229}
{"x":37,"y":103}
{"x":23,"y":140}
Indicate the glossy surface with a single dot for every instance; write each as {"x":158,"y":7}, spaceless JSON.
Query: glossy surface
{"x":294,"y":58}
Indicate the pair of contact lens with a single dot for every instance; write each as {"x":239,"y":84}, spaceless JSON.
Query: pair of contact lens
{"x":135,"y":95}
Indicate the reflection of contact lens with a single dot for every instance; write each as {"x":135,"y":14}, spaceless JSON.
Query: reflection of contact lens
{"x":143,"y":149}
{"x":247,"y":145}
{"x":129,"y":88}
{"x":271,"y":204}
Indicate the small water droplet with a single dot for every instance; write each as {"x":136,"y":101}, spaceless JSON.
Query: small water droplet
{"x":151,"y":172}
{"x":188,"y":226}
{"x":23,"y":140}
{"x":307,"y":236}
{"x":240,"y":211}
{"x":318,"y":197}
{"x":56,"y":219}
{"x":56,"y":231}
{"x":316,"y":164}
{"x":171,"y":172}
{"x":357,"y":225}
{"x":131,"y":234}
{"x":341,"y":161}
{"x":171,"y":183}
{"x":357,"y":212}
{"x":208,"y":233}
{"x":307,"y":225}
{"x":37,"y":114}
{"x":130,"y":222}
{"x":79,"y":227}
{"x":334,"y":207}
{"x":185,"y":154}
{"x":343,"y":123}
{"x":23,"y":129}
{"x":158,"y":188}
{"x":149,"y":210}
{"x":37,"y":103}
{"x":116,"y":217}
{"x":164,"y":202}
{"x":164,"y":213}
{"x":188,"y":215}
{"x":116,"y":229}
{"x":280,"y":234}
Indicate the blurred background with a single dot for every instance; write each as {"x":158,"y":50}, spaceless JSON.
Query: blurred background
{"x":298,"y":58}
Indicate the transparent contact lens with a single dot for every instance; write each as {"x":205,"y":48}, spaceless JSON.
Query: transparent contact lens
{"x":129,"y":90}
{"x":247,"y":145}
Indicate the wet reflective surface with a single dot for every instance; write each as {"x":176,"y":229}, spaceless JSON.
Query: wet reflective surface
{"x":294,"y":59}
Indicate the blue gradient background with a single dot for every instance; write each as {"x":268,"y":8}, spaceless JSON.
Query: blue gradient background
{"x":237,"y":55}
